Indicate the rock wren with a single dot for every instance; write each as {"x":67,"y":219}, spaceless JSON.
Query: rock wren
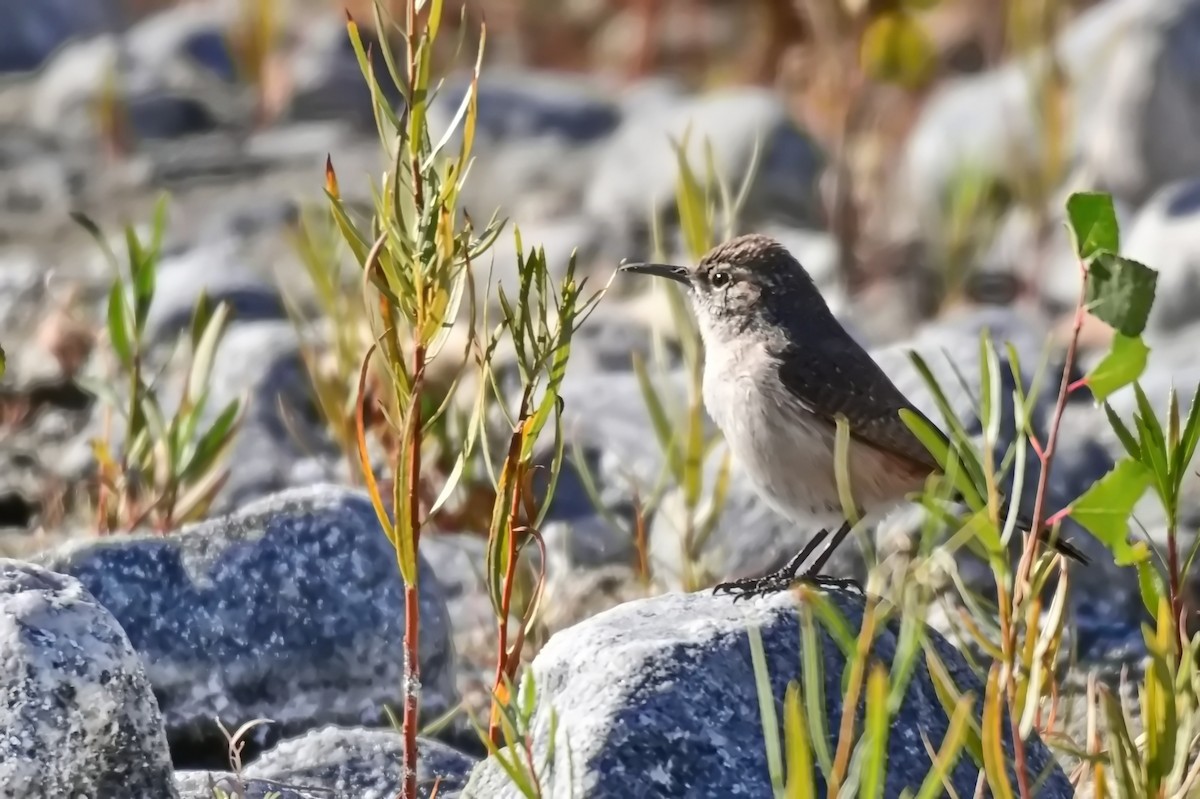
{"x":778,"y":370}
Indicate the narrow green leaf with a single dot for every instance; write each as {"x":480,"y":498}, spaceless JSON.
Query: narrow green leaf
{"x":933,"y":786}
{"x":214,"y":443}
{"x":995,"y":764}
{"x":205,"y":352}
{"x":813,"y":673}
{"x":933,"y":441}
{"x":1189,"y":436}
{"x":118,"y":325}
{"x":801,"y":780}
{"x":1124,"y":363}
{"x":766,"y":709}
{"x":1105,"y":508}
{"x":1093,"y":223}
{"x":875,"y":734}
{"x":1120,"y":292}
{"x":659,"y":421}
{"x":1127,"y":440}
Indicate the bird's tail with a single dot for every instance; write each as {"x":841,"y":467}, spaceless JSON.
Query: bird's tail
{"x":1045,"y":534}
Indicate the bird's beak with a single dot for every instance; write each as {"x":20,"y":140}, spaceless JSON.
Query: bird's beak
{"x":669,"y":271}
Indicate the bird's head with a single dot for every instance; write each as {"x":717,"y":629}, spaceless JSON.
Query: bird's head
{"x":747,"y":283}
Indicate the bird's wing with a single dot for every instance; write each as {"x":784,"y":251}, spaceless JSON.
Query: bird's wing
{"x":846,"y":380}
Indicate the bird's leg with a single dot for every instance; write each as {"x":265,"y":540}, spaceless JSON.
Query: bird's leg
{"x":777,"y":580}
{"x":812,"y":573}
{"x":784,"y":578}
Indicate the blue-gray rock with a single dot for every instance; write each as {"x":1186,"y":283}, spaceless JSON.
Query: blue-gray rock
{"x":32,"y":32}
{"x":219,"y":270}
{"x":1145,"y":120}
{"x":657,"y":698}
{"x":1165,"y":235}
{"x":362,"y":763}
{"x":517,"y":104}
{"x":78,"y":713}
{"x":636,"y":173}
{"x":291,"y":609}
{"x":283,"y":441}
{"x":173,"y":79}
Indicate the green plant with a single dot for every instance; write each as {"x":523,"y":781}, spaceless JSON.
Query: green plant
{"x":511,"y":744}
{"x":541,"y":337}
{"x":416,"y":262}
{"x":332,"y":353}
{"x":167,"y":470}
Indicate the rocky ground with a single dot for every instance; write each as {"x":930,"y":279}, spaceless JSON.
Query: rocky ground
{"x":286,"y":605}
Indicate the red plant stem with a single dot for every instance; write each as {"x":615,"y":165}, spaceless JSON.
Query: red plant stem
{"x":1176,"y":594}
{"x":512,"y":462}
{"x":412,"y":605}
{"x":1039,"y":510}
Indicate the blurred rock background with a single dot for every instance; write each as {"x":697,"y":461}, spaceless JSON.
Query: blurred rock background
{"x":918,"y":171}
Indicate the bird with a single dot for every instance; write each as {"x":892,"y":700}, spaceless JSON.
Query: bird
{"x":779,"y":371}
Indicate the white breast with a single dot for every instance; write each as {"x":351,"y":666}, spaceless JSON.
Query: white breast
{"x":786,"y":450}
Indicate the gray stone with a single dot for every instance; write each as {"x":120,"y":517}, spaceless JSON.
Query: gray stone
{"x":636,"y":173}
{"x":32,"y":32}
{"x":78,"y":714}
{"x":519,"y":104}
{"x":1147,"y":116}
{"x":217,"y":269}
{"x":986,"y":123}
{"x":226,"y":785}
{"x":365,"y":764}
{"x":325,"y":79}
{"x":657,"y":698}
{"x":1044,"y":257}
{"x":292,"y":610}
{"x":166,"y":64}
{"x":1165,"y":235}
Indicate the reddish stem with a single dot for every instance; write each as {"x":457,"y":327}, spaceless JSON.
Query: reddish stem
{"x":412,"y":605}
{"x":1046,"y":456}
{"x":512,"y":465}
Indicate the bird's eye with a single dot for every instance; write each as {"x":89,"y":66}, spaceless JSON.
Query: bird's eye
{"x":719,"y":280}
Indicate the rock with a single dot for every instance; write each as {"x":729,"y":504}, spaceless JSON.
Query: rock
{"x":325,"y":80}
{"x":1046,"y":257}
{"x":636,"y":173}
{"x":1164,"y":236}
{"x":657,"y":698}
{"x":172,"y":78}
{"x":519,"y":104}
{"x":283,"y":441}
{"x":78,"y":715}
{"x":291,"y":609}
{"x":32,"y":32}
{"x":206,"y":784}
{"x":218,"y":270}
{"x":1145,"y":122}
{"x":365,"y":764}
{"x":986,"y":123}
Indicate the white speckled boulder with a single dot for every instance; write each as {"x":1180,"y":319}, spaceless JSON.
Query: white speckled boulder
{"x":291,"y":609}
{"x":78,"y":716}
{"x":656,"y":699}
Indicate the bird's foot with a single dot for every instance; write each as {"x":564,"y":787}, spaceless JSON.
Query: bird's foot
{"x":750,"y":587}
